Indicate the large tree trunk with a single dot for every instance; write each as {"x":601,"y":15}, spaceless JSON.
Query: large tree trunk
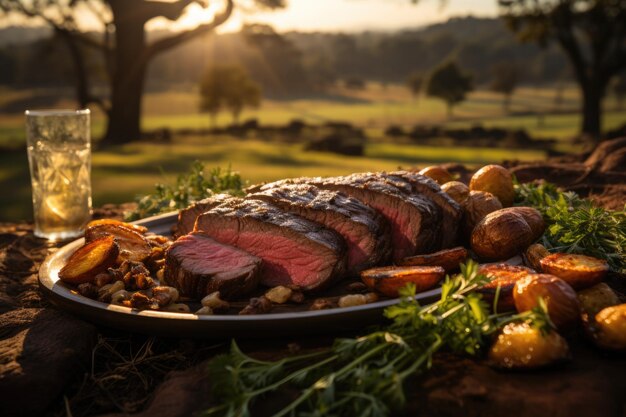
{"x":593,"y":93}
{"x":128,"y":78}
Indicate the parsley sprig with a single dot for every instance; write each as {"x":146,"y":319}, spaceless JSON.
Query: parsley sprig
{"x":196,"y":185}
{"x":575,"y":225}
{"x":365,"y":376}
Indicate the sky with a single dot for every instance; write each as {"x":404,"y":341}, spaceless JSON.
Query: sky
{"x":321,"y":15}
{"x":348,"y":15}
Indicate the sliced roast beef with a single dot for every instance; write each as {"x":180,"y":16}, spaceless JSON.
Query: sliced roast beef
{"x":198,"y":265}
{"x":187,"y":217}
{"x":415,"y":220}
{"x":295,"y":251}
{"x":420,"y":184}
{"x":366,"y":232}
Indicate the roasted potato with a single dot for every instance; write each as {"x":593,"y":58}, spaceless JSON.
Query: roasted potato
{"x":501,"y":235}
{"x":111,"y":222}
{"x":448,"y":259}
{"x":534,"y":254}
{"x":610,"y":328}
{"x":504,"y":276}
{"x":596,"y":298}
{"x":496,"y":180}
{"x":437,"y":173}
{"x":559,"y":296}
{"x":457,"y":191}
{"x":532,"y":216}
{"x":579,"y":271}
{"x":133,"y":246}
{"x":520,"y":346}
{"x":90,"y":260}
{"x":477,"y":205}
{"x":389,"y":280}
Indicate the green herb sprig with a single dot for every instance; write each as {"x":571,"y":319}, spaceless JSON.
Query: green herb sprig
{"x":365,"y":376}
{"x":194,"y":186}
{"x":575,"y":225}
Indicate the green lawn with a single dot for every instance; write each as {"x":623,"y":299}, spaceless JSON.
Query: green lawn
{"x":120,"y":174}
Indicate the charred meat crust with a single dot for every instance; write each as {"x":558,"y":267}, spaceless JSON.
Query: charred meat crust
{"x":365,"y":230}
{"x":187,"y":217}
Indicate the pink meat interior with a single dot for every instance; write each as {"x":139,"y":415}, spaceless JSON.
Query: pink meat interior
{"x":285,"y":260}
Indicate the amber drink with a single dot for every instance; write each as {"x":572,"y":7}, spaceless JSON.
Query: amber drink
{"x":59,"y":154}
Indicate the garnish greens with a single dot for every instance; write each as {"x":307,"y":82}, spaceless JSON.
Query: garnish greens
{"x":365,"y":376}
{"x":194,"y":186}
{"x":575,"y":225}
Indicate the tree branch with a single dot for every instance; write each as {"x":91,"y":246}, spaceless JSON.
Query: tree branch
{"x":170,"y":11}
{"x":166,"y":43}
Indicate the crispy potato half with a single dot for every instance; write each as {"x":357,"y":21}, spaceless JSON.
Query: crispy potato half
{"x":448,"y":259}
{"x":112,"y":222}
{"x":520,"y":346}
{"x":133,"y":246}
{"x":89,"y":260}
{"x":505,"y":276}
{"x":388,"y":280}
{"x":579,"y":271}
{"x":610,"y":325}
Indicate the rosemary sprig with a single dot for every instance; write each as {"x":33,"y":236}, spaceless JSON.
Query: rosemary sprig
{"x":365,"y":376}
{"x":575,"y":225}
{"x":194,"y":186}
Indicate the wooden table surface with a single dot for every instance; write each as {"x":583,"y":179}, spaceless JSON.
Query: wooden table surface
{"x":50,"y":360}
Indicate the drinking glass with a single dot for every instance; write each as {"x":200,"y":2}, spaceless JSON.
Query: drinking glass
{"x":59,"y":155}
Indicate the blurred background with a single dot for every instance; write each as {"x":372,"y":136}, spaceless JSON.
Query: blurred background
{"x":277,"y":88}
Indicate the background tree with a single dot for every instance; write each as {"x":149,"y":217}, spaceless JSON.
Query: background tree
{"x":415,"y":83}
{"x":228,"y":87}
{"x":123,"y":44}
{"x":619,"y":89}
{"x":449,"y":84}
{"x":591,"y":33}
{"x":505,"y":78}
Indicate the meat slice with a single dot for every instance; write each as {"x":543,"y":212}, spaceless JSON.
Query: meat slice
{"x":415,"y":220}
{"x":420,"y":184}
{"x":187,"y":217}
{"x":295,"y":251}
{"x":197,"y":265}
{"x":366,"y":232}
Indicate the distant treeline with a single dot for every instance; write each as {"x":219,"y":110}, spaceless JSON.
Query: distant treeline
{"x":297,"y":63}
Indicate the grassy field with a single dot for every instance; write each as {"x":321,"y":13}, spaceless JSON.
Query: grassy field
{"x":119,"y":174}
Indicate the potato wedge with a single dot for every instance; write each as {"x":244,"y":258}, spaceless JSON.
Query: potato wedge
{"x":579,"y":271}
{"x":448,"y":259}
{"x":137,"y":228}
{"x":505,"y":276}
{"x":133,"y":246}
{"x":388,"y":280}
{"x":596,"y":298}
{"x":90,"y":260}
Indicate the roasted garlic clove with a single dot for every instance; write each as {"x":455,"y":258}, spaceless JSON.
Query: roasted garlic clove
{"x":214,"y":302}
